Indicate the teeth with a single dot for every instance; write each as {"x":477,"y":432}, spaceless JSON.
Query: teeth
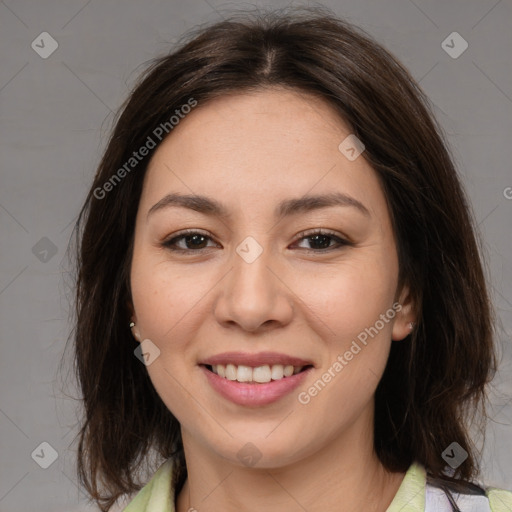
{"x":288,"y":370}
{"x":244,"y":374}
{"x":260,"y":374}
{"x":231,"y":372}
{"x":277,"y":372}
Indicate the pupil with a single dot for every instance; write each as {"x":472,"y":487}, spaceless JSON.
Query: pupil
{"x":315,"y":238}
{"x":194,"y":237}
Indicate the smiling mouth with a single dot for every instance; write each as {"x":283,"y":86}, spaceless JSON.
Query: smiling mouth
{"x":255,"y":375}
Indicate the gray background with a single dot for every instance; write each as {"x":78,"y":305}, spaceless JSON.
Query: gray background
{"x":55,"y":114}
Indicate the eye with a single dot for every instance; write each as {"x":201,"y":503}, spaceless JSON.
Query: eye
{"x":194,"y":241}
{"x":321,"y":240}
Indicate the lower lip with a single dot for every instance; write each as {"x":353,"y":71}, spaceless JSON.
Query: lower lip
{"x":247,"y":394}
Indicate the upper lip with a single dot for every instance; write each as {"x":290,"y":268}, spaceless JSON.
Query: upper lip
{"x":255,"y":360}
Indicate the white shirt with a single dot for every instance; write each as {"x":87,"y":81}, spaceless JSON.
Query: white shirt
{"x":437,"y":501}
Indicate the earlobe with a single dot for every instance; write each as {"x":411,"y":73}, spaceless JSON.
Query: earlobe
{"x":405,"y":321}
{"x":133,"y":327}
{"x":135,"y":331}
{"x":403,"y":326}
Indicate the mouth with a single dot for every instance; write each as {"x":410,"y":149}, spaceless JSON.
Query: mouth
{"x":256,"y":375}
{"x":255,"y":380}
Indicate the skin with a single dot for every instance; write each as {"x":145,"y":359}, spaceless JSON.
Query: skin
{"x":250,"y":151}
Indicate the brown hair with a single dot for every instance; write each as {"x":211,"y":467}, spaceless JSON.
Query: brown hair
{"x":434,"y":381}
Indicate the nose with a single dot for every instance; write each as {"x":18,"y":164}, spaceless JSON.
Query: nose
{"x":255,"y":295}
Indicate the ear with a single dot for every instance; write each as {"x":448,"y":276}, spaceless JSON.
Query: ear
{"x":133,"y":318}
{"x":402,"y":324}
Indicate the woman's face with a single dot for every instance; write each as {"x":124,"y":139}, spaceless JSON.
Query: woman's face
{"x":254,"y":293}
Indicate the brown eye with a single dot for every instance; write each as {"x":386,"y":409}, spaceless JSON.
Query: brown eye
{"x":191,"y":241}
{"x":321,"y":240}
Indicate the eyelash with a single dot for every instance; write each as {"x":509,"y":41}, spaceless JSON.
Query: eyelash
{"x":170,"y":243}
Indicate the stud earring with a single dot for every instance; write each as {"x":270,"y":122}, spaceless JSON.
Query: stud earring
{"x":135,"y":331}
{"x":411,"y":325}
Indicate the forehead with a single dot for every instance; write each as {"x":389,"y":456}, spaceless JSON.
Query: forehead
{"x":265,"y":121}
{"x":261,"y":146}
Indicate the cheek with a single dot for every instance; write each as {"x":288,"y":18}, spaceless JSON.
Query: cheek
{"x":164,"y":301}
{"x":352,"y":369}
{"x":354,"y":310}
{"x":352,"y":295}
{"x":164,"y":296}
{"x":173,"y":383}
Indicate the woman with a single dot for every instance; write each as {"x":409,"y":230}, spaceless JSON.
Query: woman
{"x":280,"y":300}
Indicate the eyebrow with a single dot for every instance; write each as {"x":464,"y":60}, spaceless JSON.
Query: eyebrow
{"x":288,"y":207}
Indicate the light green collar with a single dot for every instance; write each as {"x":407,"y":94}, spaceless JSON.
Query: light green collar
{"x":158,"y":496}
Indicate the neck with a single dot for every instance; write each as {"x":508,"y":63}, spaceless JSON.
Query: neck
{"x":344,"y":475}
